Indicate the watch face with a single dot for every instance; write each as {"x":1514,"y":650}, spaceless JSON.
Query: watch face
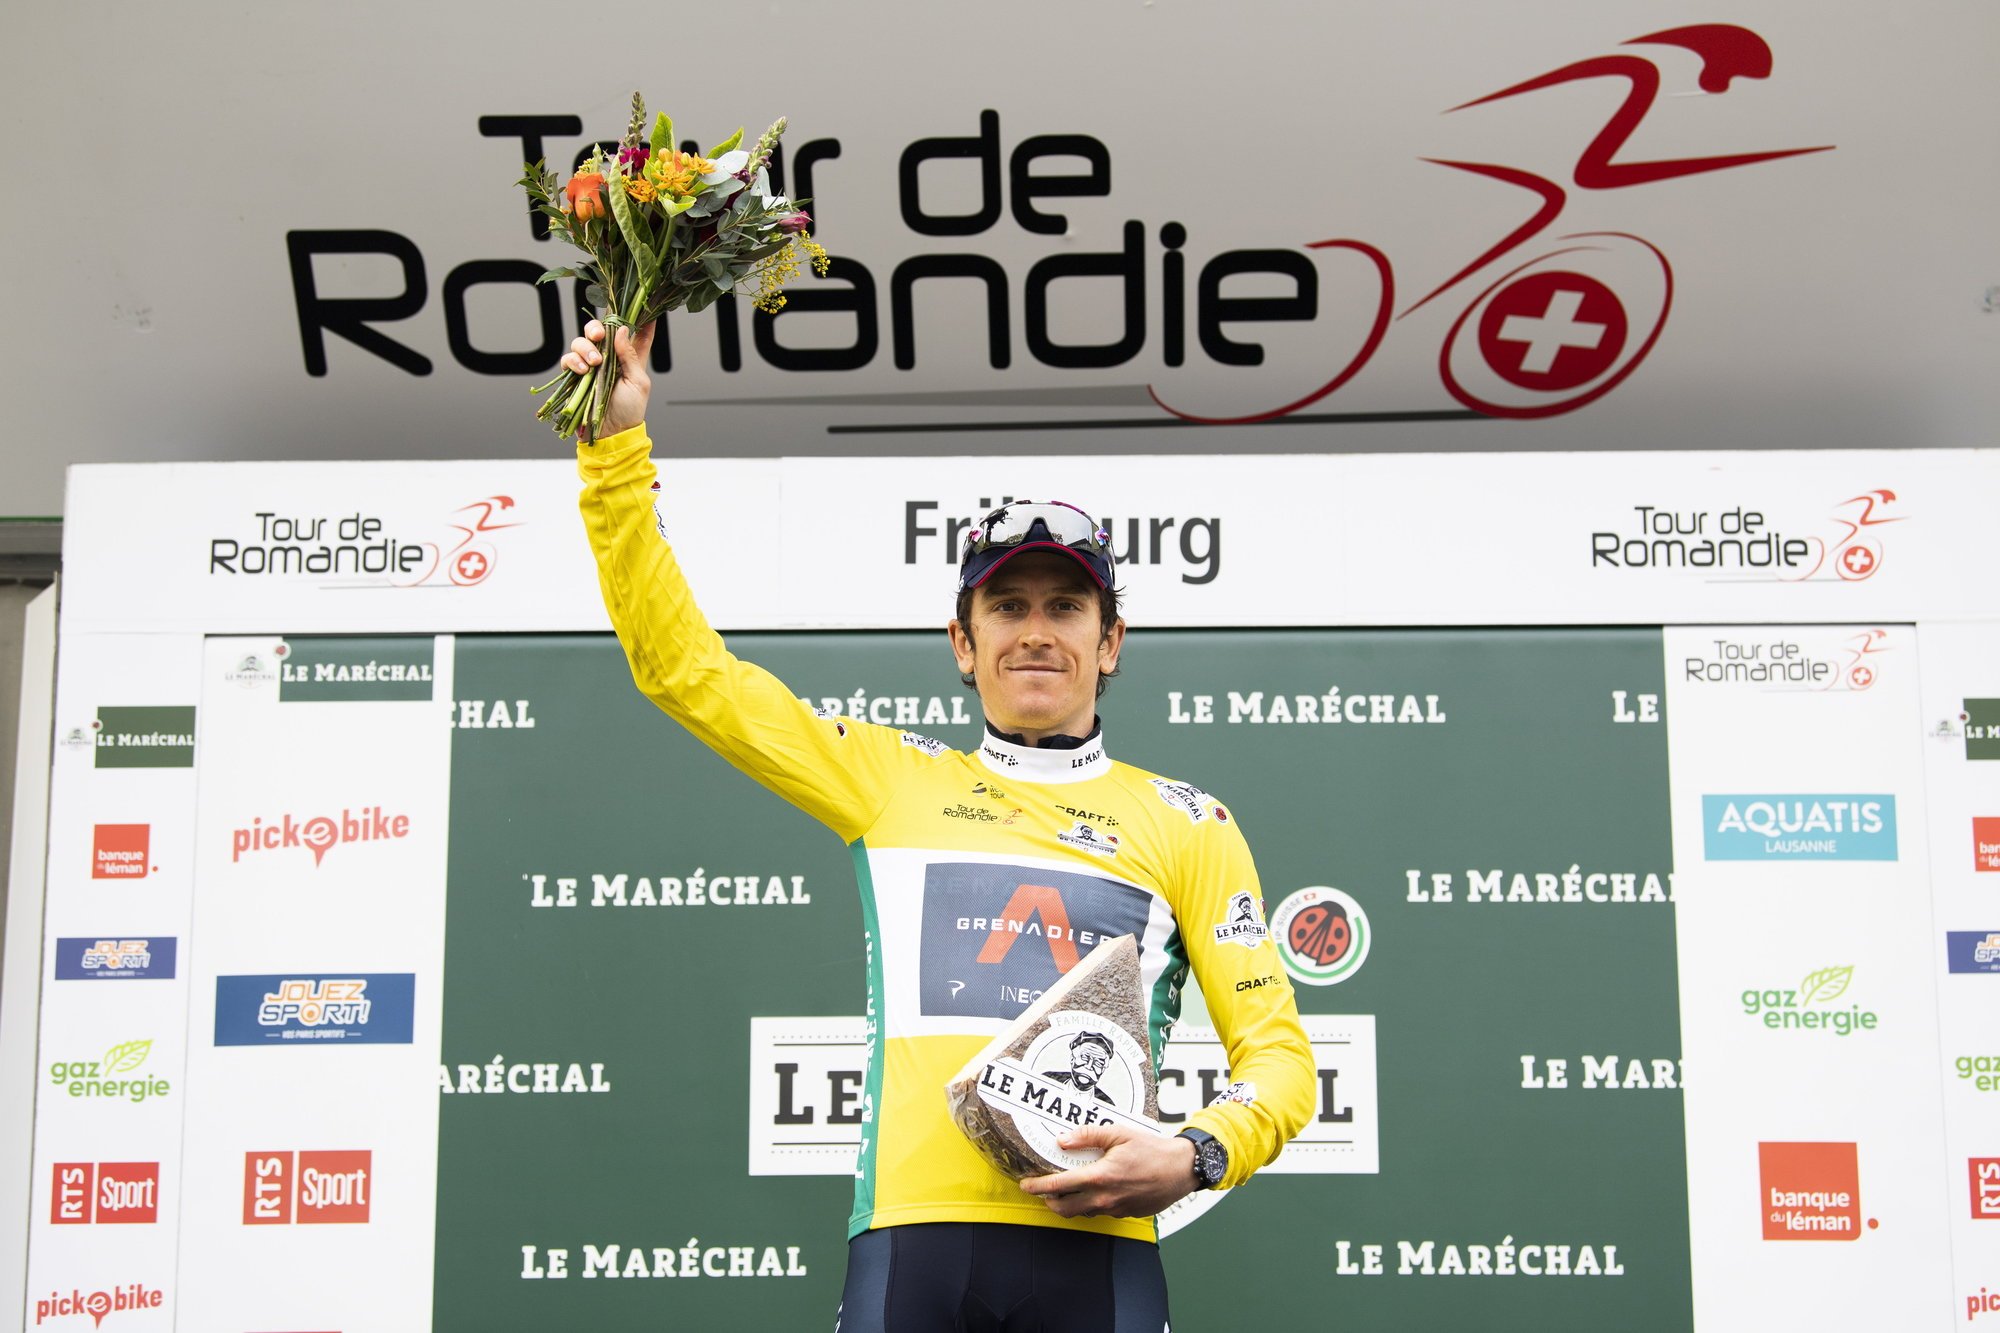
{"x":1210,"y":1161}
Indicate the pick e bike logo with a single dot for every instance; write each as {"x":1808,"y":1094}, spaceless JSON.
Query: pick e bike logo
{"x":319,"y":834}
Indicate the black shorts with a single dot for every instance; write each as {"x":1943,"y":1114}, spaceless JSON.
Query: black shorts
{"x":995,"y":1277}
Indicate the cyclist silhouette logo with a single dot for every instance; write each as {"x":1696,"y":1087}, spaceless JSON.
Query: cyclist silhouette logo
{"x":471,"y":558}
{"x":1555,"y":331}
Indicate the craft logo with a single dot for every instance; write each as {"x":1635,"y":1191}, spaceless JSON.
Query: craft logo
{"x":1810,"y":1007}
{"x":1742,"y":545}
{"x":101,"y":1193}
{"x":1973,"y":950}
{"x":89,"y":959}
{"x":1986,"y":842}
{"x":1845,"y":827}
{"x":1811,"y":1191}
{"x":1981,"y":724}
{"x":306,"y":1188}
{"x":353,"y":550}
{"x":1781,"y":664}
{"x":120,"y":851}
{"x":996,"y":936}
{"x":149,"y":737}
{"x":319,"y":834}
{"x":99,"y":1078}
{"x":370,"y":1008}
{"x":1985,"y":1173}
{"x":1089,"y":839}
{"x":98,"y":1304}
{"x":1322,"y":934}
{"x":357,"y":670}
{"x":1244,"y":922}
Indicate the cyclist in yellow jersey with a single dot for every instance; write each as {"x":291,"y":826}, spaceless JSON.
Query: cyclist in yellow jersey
{"x":984,"y":877}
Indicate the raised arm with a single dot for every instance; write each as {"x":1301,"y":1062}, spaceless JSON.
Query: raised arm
{"x":839,"y":772}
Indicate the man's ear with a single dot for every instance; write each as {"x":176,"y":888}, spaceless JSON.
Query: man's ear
{"x":1108,"y":650}
{"x":961,"y":646}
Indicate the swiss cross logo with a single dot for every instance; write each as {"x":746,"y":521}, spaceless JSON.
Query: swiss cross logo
{"x":104,"y":1192}
{"x":120,"y":851}
{"x":282,"y":1188}
{"x":1986,"y":842}
{"x":1810,"y":1191}
{"x":1985,"y":1173}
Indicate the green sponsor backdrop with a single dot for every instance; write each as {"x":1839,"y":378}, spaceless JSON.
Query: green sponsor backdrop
{"x":1528,"y":773}
{"x":159,"y":736}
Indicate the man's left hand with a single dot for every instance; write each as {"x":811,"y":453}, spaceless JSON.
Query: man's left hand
{"x":1138,"y":1175}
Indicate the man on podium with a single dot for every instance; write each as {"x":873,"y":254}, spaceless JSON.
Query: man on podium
{"x":970,"y":918}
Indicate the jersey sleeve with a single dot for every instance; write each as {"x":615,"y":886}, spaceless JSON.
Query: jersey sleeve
{"x":1272,"y":1074}
{"x":840,"y":772}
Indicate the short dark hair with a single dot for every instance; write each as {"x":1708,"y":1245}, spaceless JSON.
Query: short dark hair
{"x":1109,"y":602}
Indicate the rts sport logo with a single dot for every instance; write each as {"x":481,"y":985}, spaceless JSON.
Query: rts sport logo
{"x":1985,"y":1172}
{"x":1322,"y":934}
{"x":1811,"y":1191}
{"x":318,"y":834}
{"x":104,"y":1192}
{"x":284,"y":1188}
{"x":88,"y":959}
{"x":369,"y":1008}
{"x":120,"y":851}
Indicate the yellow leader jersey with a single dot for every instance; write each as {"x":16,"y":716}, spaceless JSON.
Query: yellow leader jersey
{"x":984,"y":877}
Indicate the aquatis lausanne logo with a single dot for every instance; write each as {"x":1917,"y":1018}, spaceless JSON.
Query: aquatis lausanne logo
{"x":1846,"y":827}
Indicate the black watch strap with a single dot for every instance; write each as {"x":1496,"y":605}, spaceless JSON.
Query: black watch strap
{"x":1211,"y":1159}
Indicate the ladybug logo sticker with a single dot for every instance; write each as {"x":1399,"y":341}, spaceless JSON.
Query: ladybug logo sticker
{"x":1322,"y":935}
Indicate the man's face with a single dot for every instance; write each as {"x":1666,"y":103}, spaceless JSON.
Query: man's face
{"x":1086,"y":1065}
{"x":1035,"y":646}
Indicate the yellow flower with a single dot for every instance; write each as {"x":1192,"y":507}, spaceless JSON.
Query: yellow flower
{"x":641,"y":190}
{"x":676,"y":172}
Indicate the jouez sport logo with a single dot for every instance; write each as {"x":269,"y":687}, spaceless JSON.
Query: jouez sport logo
{"x":368,"y":1008}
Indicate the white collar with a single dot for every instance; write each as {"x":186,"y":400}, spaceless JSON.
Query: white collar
{"x":1031,"y":764}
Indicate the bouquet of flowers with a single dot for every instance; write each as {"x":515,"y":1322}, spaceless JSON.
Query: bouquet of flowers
{"x":661,"y":229}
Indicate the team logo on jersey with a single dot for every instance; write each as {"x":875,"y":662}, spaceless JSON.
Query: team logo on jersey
{"x":996,"y":936}
{"x":1087,"y":837}
{"x":1244,"y":924}
{"x":929,"y":745}
{"x":1322,"y":935}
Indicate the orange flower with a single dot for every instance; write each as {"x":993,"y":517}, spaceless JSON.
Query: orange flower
{"x":586,"y":194}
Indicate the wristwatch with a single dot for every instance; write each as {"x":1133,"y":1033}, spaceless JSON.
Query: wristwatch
{"x":1211,"y":1159}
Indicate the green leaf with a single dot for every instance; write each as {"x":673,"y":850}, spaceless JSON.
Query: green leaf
{"x":595,"y":295}
{"x":1829,"y":983}
{"x":663,"y":133}
{"x":126,"y":1055}
{"x":634,"y":232}
{"x":726,"y":145}
{"x":555,"y":273}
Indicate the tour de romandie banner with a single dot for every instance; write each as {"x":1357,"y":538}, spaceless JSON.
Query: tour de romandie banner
{"x":653,"y":1079}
